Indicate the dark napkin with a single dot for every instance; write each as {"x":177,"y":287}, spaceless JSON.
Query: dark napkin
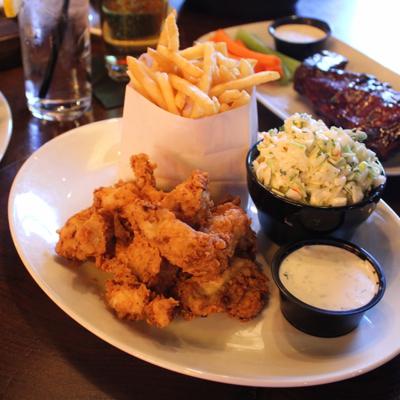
{"x":108,"y":92}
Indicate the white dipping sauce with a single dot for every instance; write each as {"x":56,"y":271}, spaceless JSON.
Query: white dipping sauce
{"x":329,"y":277}
{"x":299,"y":33}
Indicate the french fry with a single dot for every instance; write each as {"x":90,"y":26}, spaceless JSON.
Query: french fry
{"x":163,"y":62}
{"x":197,"y":112}
{"x":205,"y":81}
{"x":146,"y":82}
{"x":242,"y":100}
{"x":167,"y":92}
{"x":194,"y":52}
{"x":222,"y":48}
{"x":163,"y":38}
{"x":245,"y":68}
{"x":236,"y":72}
{"x":224,"y":107}
{"x":193,"y":92}
{"x":224,"y":60}
{"x":252,"y":62}
{"x":216,"y":75}
{"x":198,"y":81}
{"x":181,"y":62}
{"x":137,"y":86}
{"x":172,"y":32}
{"x":229,"y":96}
{"x":208,"y":64}
{"x":189,"y":77}
{"x":226,"y":74}
{"x":180,"y":100}
{"x":246,"y":82}
{"x":217,"y":104}
{"x":188,"y":109}
{"x":151,"y":73}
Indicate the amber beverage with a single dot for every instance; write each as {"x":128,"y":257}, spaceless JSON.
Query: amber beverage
{"x":129,"y":27}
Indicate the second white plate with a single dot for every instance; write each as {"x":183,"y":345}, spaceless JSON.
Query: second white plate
{"x":284,"y":100}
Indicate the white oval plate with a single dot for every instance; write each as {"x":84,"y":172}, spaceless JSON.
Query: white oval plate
{"x":5,"y":125}
{"x":58,"y":180}
{"x":284,"y":100}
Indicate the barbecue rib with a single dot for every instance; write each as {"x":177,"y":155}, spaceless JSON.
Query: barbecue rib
{"x":351,"y":100}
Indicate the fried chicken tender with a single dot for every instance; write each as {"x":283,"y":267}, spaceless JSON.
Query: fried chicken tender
{"x":246,"y":291}
{"x":113,"y":198}
{"x":141,"y":257}
{"x":190,"y":200}
{"x":196,"y":252}
{"x":165,"y":280}
{"x":230,"y":222}
{"x":133,"y":300}
{"x":200,"y":298}
{"x":127,"y":299}
{"x":168,"y":253}
{"x":145,"y":181}
{"x":86,"y":235}
{"x":241,"y":291}
{"x":160,"y":311}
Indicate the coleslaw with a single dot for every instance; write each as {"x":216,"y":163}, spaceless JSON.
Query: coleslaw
{"x":310,"y":163}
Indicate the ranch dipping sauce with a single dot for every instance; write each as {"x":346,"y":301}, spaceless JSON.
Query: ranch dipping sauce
{"x":329,"y":277}
{"x":299,"y":33}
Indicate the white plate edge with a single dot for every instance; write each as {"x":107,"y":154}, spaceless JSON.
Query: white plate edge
{"x":9,"y":123}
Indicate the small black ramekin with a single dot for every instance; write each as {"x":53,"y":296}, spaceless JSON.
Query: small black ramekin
{"x":299,"y":50}
{"x":313,"y":320}
{"x":285,"y":220}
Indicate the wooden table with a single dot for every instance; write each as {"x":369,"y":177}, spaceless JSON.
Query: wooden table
{"x":44,"y":354}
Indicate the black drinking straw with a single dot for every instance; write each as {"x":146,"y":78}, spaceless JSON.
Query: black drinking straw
{"x":57,"y":37}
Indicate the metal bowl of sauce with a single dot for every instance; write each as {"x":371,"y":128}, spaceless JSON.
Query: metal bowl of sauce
{"x":326,"y":285}
{"x":299,"y":37}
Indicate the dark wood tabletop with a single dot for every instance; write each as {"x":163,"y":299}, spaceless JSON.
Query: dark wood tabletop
{"x":44,"y":354}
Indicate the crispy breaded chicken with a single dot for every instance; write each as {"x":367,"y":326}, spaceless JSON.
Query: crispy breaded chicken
{"x":86,"y":235}
{"x":113,"y":198}
{"x":195,"y":252}
{"x":246,"y":291}
{"x":140,"y":256}
{"x":127,"y":299}
{"x":190,"y":200}
{"x":241,"y":291}
{"x":168,"y":252}
{"x":160,"y":311}
{"x":133,"y":300}
{"x":230,"y":222}
{"x":145,"y":181}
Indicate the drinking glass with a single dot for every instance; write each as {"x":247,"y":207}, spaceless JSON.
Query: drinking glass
{"x":128,"y":28}
{"x":55,"y":45}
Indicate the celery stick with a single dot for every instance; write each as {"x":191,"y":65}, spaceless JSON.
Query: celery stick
{"x":253,"y":42}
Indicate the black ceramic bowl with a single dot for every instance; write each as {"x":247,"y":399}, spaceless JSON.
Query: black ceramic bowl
{"x":284,"y":220}
{"x":316,"y":321}
{"x":299,"y":50}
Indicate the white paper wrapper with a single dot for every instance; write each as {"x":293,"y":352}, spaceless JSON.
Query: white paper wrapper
{"x":217,"y":144}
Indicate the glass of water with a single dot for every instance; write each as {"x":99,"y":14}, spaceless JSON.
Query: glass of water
{"x":55,"y":45}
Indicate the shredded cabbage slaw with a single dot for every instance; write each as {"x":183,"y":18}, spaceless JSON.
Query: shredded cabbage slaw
{"x":310,"y":163}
